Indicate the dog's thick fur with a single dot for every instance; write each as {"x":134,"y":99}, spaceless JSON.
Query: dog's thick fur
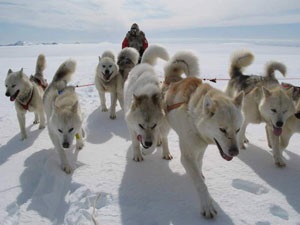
{"x":127,"y":59}
{"x":200,"y":115}
{"x":63,"y":113}
{"x":27,"y":95}
{"x":143,"y":106}
{"x":265,"y":100}
{"x":108,"y":79}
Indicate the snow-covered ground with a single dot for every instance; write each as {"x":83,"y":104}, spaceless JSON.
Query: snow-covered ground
{"x":108,"y":184}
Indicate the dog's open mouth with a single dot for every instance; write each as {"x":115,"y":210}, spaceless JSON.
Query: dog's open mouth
{"x":224,"y":156}
{"x":139,"y":138}
{"x":277,"y":130}
{"x":13,"y":97}
{"x":106,"y":76}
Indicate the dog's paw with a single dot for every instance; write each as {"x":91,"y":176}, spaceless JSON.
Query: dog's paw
{"x":104,"y":109}
{"x":67,"y":168}
{"x":138,"y":158}
{"x":36,"y":122}
{"x":112,"y":117}
{"x":280,"y":163}
{"x":42,"y":126}
{"x":246,"y":140}
{"x":208,"y":211}
{"x":24,"y":136}
{"x":167,"y":156}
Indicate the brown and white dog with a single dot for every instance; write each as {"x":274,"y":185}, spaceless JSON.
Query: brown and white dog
{"x":200,"y":115}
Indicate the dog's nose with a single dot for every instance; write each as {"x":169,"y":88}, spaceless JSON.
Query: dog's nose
{"x":233,"y":151}
{"x":107,"y":71}
{"x":66,"y":145}
{"x":279,"y":124}
{"x":7,"y":94}
{"x":148,"y":143}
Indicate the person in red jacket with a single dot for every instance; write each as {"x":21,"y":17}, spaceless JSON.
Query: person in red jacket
{"x":135,"y":38}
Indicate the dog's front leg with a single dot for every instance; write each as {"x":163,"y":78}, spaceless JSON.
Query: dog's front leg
{"x":137,"y":155}
{"x":21,"y":119}
{"x":79,"y":139}
{"x":277,"y":153}
{"x":242,"y":135}
{"x":113,"y":97}
{"x":189,"y":162}
{"x":103,"y":101}
{"x":120,"y":97}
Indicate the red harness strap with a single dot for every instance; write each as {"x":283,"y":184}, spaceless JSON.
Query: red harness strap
{"x":174,"y":106}
{"x":27,"y":105}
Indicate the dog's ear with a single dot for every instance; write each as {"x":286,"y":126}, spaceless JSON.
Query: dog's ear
{"x":266,"y":92}
{"x":156,"y":99}
{"x":208,"y":105}
{"x":75,"y":107}
{"x":290,"y":93}
{"x":238,"y":100}
{"x":99,"y":57}
{"x":20,"y":73}
{"x":138,"y":99}
{"x":9,"y":72}
{"x":297,"y":115}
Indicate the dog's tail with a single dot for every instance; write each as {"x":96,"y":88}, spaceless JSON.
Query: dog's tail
{"x":183,"y":62}
{"x":240,"y":60}
{"x":272,"y":66}
{"x":40,"y":64}
{"x":108,"y":54}
{"x":64,"y":72}
{"x":153,"y":52}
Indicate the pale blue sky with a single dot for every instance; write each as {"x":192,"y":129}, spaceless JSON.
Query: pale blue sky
{"x":109,"y":20}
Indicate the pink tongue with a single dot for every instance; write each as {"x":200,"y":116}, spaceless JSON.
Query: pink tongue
{"x":139,"y":137}
{"x":12,"y":99}
{"x":277,"y":131}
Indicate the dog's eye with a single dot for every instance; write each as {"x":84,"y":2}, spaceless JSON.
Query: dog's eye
{"x":238,"y":130}
{"x":103,"y":66}
{"x":223,"y":130}
{"x":6,"y":85}
{"x":59,"y":130}
{"x":13,"y":85}
{"x":274,"y":110}
{"x":140,"y":125}
{"x":110,"y":66}
{"x":284,"y":111}
{"x":153,"y":126}
{"x":71,"y":130}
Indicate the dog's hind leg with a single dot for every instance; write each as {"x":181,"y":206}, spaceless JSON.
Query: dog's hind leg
{"x":21,"y":119}
{"x":189,"y":162}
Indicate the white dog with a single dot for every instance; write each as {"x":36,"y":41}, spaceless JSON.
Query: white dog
{"x":265,"y":100}
{"x":143,"y":105}
{"x":63,"y":113}
{"x":108,"y":79}
{"x":127,"y":59}
{"x":27,"y":95}
{"x":200,"y":115}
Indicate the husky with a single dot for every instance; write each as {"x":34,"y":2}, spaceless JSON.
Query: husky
{"x":143,"y":107}
{"x":200,"y":115}
{"x":292,"y":124}
{"x":27,"y":95}
{"x":265,"y":100}
{"x":127,"y":59}
{"x":108,"y":79}
{"x":63,"y":113}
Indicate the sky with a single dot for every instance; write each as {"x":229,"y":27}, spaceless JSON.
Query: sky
{"x":104,"y":20}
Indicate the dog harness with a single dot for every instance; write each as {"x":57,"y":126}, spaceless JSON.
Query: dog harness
{"x":174,"y":106}
{"x":26,"y":106}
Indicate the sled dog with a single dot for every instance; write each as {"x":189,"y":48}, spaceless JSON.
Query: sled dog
{"x":127,"y":59}
{"x":27,"y":95}
{"x":108,"y":79}
{"x":143,"y":106}
{"x":265,"y":100}
{"x":63,"y":113}
{"x":200,"y":115}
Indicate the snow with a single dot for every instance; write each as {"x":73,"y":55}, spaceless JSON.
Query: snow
{"x":109,"y":186}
